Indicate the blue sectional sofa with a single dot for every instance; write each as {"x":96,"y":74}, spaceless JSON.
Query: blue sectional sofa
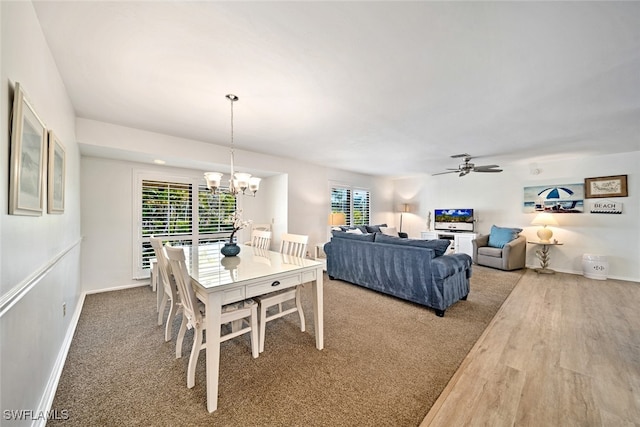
{"x":411,"y":269}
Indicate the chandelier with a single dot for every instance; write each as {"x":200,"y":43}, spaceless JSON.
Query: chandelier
{"x":238,"y":181}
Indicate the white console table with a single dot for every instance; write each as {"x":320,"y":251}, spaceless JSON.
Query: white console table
{"x":461,"y":240}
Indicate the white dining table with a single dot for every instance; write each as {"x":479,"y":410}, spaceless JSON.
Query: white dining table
{"x":220,"y":280}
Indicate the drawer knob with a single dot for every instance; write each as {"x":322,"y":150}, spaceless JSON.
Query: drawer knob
{"x":276,"y":283}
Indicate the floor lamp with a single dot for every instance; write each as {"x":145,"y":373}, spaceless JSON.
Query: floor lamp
{"x":404,"y":208}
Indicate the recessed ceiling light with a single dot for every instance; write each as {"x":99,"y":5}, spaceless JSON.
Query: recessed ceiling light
{"x":159,"y":162}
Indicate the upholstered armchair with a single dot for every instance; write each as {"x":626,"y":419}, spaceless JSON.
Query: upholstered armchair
{"x":511,"y":256}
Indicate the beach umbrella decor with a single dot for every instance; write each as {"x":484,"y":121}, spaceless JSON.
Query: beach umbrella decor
{"x":555,"y":193}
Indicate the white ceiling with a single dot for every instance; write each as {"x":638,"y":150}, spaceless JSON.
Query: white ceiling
{"x":385,"y":88}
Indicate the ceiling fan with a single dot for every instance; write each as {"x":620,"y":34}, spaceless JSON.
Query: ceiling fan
{"x":466,"y":167}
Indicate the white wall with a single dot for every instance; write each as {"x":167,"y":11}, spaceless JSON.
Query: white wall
{"x":498,"y":198}
{"x":33,"y":330}
{"x":295,"y":195}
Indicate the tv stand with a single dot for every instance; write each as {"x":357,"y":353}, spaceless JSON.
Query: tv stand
{"x":461,"y":240}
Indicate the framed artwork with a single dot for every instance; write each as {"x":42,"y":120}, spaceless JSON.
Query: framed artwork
{"x":55,"y":176}
{"x":28,"y":141}
{"x":606,"y":186}
{"x":558,"y":198}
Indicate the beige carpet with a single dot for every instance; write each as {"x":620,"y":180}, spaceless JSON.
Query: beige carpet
{"x":384,"y":364}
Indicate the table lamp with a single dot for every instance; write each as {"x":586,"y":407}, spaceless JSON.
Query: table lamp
{"x":337,"y":218}
{"x":544,"y":219}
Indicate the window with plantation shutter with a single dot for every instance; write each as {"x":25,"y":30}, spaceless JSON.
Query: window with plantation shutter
{"x":182,"y":212}
{"x":360,"y":207}
{"x":353,"y":202}
{"x":214,"y":211}
{"x":341,"y":202}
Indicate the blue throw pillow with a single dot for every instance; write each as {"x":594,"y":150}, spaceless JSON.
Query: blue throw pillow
{"x":500,"y":236}
{"x":374,"y":228}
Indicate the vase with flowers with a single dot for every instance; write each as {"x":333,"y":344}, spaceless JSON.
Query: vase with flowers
{"x":230,"y":248}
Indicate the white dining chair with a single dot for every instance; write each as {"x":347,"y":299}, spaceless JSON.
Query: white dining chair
{"x":169,"y":289}
{"x":295,"y":246}
{"x":257,"y":227}
{"x":244,"y":313}
{"x":261,"y":239}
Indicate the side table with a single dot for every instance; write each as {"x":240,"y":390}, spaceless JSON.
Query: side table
{"x":543,"y":256}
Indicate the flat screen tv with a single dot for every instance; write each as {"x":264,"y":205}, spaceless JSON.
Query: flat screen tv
{"x":454,"y":219}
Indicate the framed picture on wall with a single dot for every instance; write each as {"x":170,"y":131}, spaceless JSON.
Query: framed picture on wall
{"x":554,"y":198}
{"x":606,"y":186}
{"x":28,"y":141}
{"x":56,"y":176}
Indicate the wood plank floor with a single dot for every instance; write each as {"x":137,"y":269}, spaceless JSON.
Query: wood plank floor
{"x":563,"y":350}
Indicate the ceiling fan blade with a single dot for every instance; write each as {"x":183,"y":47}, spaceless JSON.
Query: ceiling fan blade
{"x":487,"y":170}
{"x":487,"y":167}
{"x":442,"y":173}
{"x":455,"y":156}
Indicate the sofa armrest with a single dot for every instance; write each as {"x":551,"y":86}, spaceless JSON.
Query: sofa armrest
{"x":478,"y":242}
{"x":514,"y":253}
{"x":448,"y":265}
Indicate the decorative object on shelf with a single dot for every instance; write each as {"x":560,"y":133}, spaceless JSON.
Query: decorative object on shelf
{"x":231,"y":248}
{"x":428,"y":220}
{"x":565,"y":198}
{"x":337,"y":218}
{"x":28,"y":141}
{"x":606,"y":207}
{"x":606,"y":186}
{"x":56,"y":176}
{"x":238,"y":181}
{"x":544,"y":219}
{"x":404,"y":208}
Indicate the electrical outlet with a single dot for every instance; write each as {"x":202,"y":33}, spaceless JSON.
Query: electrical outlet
{"x":64,"y":309}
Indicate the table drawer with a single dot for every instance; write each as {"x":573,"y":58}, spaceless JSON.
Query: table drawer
{"x":233,"y":295}
{"x":267,"y":286}
{"x":309,"y":276}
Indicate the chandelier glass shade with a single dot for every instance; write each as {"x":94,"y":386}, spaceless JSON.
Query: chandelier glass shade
{"x":239,"y":182}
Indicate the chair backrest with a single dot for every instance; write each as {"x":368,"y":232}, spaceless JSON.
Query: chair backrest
{"x":183,"y":282}
{"x":165,"y":269}
{"x":294,"y":244}
{"x":260,"y":227}
{"x":261,"y":239}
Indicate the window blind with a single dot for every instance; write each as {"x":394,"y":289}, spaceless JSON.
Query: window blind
{"x":341,"y":202}
{"x":360,"y":207}
{"x":183,"y":213}
{"x":354,"y":203}
{"x":214,"y":211}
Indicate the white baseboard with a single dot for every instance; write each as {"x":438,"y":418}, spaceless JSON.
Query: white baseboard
{"x":137,"y":284}
{"x":52,"y":385}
